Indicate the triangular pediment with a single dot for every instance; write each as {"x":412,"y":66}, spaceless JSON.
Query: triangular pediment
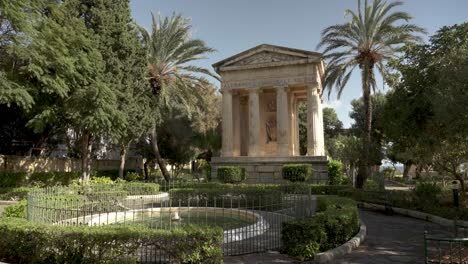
{"x":267,"y":56}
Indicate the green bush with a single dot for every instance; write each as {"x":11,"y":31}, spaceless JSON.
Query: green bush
{"x":231,"y":174}
{"x":297,"y":172}
{"x":14,"y":193}
{"x":13,"y":179}
{"x":427,"y":192}
{"x":136,"y":188}
{"x":53,"y":178}
{"x":19,"y":210}
{"x":101,"y":180}
{"x":133,"y":177}
{"x":25,"y":242}
{"x":113,"y":174}
{"x":335,"y":222}
{"x":335,"y":172}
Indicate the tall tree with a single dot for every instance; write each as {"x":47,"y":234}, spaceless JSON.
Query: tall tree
{"x":56,"y":65}
{"x":371,"y":38}
{"x":124,"y":56}
{"x":427,"y":106}
{"x":172,"y":79}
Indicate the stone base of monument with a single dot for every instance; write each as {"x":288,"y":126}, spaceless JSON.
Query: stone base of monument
{"x":268,"y":169}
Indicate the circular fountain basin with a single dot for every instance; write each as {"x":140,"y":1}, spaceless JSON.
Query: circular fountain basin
{"x":238,"y":224}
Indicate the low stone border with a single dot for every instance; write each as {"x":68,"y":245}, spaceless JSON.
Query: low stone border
{"x":329,"y":255}
{"x":415,"y":214}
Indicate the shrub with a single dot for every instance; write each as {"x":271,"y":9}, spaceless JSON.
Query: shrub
{"x":427,"y":192}
{"x":335,"y":222}
{"x":12,"y":179}
{"x":136,"y":188}
{"x":133,"y":177}
{"x":19,"y":210}
{"x":53,"y":178}
{"x":101,"y":180}
{"x":113,"y":174}
{"x":231,"y":174}
{"x":14,"y":193}
{"x":297,"y":172}
{"x":335,"y":172}
{"x":25,"y":242}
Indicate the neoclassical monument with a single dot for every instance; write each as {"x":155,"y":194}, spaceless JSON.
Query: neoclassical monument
{"x":261,"y":88}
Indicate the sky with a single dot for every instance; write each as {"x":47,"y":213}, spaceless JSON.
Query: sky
{"x":236,"y":25}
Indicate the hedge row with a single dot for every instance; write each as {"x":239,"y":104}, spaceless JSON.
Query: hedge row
{"x":413,"y":200}
{"x":335,"y":222}
{"x":24,"y":242}
{"x":21,"y":179}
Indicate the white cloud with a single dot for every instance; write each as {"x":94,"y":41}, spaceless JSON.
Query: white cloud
{"x":335,"y":104}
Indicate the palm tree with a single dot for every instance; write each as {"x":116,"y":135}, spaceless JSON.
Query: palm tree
{"x":170,"y":50}
{"x":374,"y":36}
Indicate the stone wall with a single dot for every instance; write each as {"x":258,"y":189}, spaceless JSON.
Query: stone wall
{"x":268,"y":170}
{"x":44,"y":164}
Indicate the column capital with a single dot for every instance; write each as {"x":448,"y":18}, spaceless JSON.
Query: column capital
{"x":282,"y":88}
{"x":225,"y":91}
{"x":256,"y":90}
{"x":313,"y":89}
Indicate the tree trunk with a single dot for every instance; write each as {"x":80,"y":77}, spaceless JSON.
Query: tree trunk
{"x":86,"y":149}
{"x":406,"y":169}
{"x":364,"y":167}
{"x":123,"y":156}
{"x":159,"y":159}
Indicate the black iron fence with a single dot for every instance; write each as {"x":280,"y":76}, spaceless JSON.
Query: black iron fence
{"x":251,"y":220}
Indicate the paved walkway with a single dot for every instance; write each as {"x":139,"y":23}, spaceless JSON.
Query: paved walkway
{"x":390,"y":239}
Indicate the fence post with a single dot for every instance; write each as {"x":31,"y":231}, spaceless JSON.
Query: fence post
{"x":425,"y":248}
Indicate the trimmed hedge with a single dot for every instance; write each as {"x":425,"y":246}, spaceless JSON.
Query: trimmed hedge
{"x":231,"y":174}
{"x":335,"y":222}
{"x":11,"y":193}
{"x":413,"y":200}
{"x":297,"y":172}
{"x":335,"y":172}
{"x":24,"y":242}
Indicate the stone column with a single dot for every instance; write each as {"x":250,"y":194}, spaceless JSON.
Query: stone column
{"x":227,"y":124}
{"x":254,"y":123}
{"x":282,"y":129}
{"x":236,"y":148}
{"x":315,"y":145}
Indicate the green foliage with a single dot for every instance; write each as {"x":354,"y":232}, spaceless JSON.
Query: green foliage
{"x":26,"y":242}
{"x":335,"y":172}
{"x":133,"y":177}
{"x":371,"y":184}
{"x":53,"y":178}
{"x":443,"y":206}
{"x":101,"y":180}
{"x":112,"y":174}
{"x":335,"y":222}
{"x":12,"y":179}
{"x":368,"y":41}
{"x":14,"y":193}
{"x":297,"y":172}
{"x":427,"y":105}
{"x":427,"y":192}
{"x":231,"y":174}
{"x":19,"y":210}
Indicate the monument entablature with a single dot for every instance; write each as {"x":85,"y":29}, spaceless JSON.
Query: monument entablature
{"x":262,"y":88}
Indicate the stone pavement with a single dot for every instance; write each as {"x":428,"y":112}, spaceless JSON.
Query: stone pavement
{"x":390,"y":239}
